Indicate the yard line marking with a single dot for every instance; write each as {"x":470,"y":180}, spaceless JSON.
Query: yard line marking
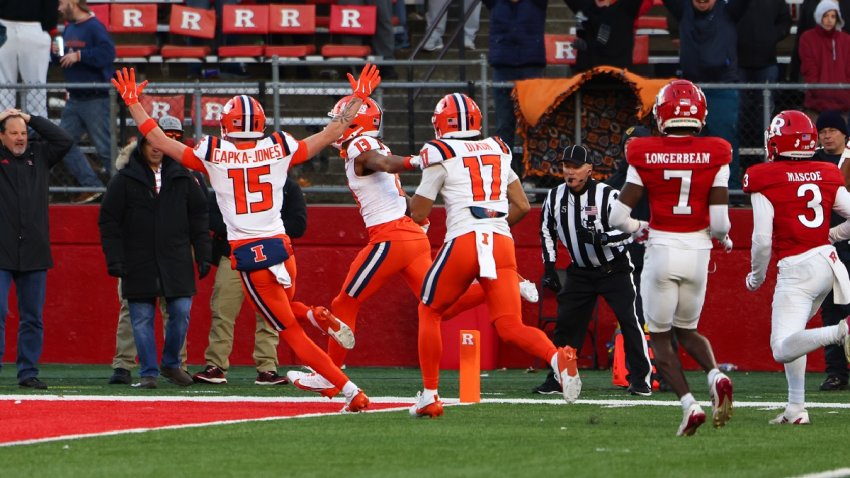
{"x":836,"y":473}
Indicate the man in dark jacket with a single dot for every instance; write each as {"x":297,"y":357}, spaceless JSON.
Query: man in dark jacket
{"x":24,"y":235}
{"x":605,"y":34}
{"x":152,"y":217}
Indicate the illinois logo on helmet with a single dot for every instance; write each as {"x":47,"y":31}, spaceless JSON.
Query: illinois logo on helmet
{"x":680,"y":104}
{"x":243,"y":118}
{"x":367,"y":122}
{"x":791,"y":134}
{"x":456,"y":116}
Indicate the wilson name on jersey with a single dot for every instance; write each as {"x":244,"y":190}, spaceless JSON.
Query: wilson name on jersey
{"x":378,"y":194}
{"x":802,"y":194}
{"x":678,"y":174}
{"x":248,"y":182}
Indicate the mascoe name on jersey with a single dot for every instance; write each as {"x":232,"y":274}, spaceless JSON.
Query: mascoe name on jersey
{"x":469,"y":174}
{"x":678,"y":173}
{"x":248,"y":181}
{"x":802,"y":194}
{"x":378,"y":194}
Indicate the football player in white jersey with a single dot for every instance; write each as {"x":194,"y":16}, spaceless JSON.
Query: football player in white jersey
{"x":483,"y":198}
{"x":247,"y":171}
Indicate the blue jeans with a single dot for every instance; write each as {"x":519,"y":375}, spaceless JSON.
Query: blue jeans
{"x":92,"y":116}
{"x":504,"y":104}
{"x":31,"y":289}
{"x":722,"y":121}
{"x":142,"y":315}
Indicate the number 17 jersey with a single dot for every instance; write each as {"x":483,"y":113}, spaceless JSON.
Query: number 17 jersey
{"x":248,"y":180}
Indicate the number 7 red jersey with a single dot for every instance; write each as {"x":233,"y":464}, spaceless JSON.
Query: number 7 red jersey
{"x":802,"y":194}
{"x":678,"y":173}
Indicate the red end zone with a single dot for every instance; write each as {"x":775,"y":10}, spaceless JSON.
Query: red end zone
{"x":30,"y":421}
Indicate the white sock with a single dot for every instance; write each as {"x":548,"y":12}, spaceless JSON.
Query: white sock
{"x":687,"y":400}
{"x":794,"y":409}
{"x":429,"y":393}
{"x":712,"y":376}
{"x":349,"y":389}
{"x":795,"y":373}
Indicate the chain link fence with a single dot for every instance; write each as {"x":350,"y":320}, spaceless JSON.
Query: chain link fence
{"x":301,"y":108}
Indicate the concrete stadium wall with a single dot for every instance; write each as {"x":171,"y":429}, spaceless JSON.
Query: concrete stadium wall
{"x":82,"y":308}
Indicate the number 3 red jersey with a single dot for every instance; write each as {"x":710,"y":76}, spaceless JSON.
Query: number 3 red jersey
{"x":678,"y":174}
{"x":802,"y":194}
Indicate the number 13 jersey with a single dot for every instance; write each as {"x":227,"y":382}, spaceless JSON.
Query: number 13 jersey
{"x":248,"y":180}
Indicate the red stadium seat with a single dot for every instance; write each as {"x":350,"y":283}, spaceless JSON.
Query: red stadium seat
{"x":138,"y":20}
{"x":651,"y":23}
{"x":291,"y":20}
{"x":640,"y":53}
{"x":559,"y":49}
{"x":190,"y":22}
{"x":249,"y":20}
{"x":350,"y":20}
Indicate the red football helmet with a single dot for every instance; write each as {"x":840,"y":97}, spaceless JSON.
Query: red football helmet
{"x":456,"y":116}
{"x":366,"y":123}
{"x":791,"y":134}
{"x":680,"y":104}
{"x":243,"y":118}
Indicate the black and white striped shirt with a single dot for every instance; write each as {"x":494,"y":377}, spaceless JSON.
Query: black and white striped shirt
{"x":564,"y":212}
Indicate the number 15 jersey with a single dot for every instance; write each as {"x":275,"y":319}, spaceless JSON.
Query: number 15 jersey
{"x":248,"y":180}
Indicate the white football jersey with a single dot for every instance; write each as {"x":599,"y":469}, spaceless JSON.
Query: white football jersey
{"x":379,"y":195}
{"x":469,"y":174}
{"x":248,"y":182}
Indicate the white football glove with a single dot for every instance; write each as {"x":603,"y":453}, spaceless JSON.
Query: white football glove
{"x":642,"y":233}
{"x":726,"y":244}
{"x":753,"y":282}
{"x":528,"y":291}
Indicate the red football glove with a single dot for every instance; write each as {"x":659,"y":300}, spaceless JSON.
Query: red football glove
{"x":369,"y":79}
{"x":126,"y":85}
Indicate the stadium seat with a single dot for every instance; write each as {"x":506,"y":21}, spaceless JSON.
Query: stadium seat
{"x":350,"y":20}
{"x":559,"y":49}
{"x":291,"y":20}
{"x":640,"y":52}
{"x":251,"y":22}
{"x":190,"y":22}
{"x":138,"y":20}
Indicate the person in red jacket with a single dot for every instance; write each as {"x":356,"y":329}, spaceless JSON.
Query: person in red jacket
{"x":825,"y":58}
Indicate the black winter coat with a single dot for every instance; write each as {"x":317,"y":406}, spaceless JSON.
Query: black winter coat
{"x":149,"y":237}
{"x":24,"y":230}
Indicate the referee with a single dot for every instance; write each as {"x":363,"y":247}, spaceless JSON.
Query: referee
{"x":576,"y":214}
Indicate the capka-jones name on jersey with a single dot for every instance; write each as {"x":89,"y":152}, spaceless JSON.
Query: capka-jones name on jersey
{"x":248,"y":155}
{"x":678,"y":158}
{"x":801,"y":177}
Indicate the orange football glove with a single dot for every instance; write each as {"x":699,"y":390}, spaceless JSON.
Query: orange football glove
{"x":126,"y":85}
{"x":369,"y":79}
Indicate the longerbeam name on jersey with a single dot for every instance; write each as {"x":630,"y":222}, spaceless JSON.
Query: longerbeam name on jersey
{"x":247,"y":156}
{"x":678,"y":158}
{"x":803,"y":177}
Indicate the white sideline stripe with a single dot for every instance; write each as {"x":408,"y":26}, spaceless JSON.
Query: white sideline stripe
{"x":411,"y":400}
{"x":836,"y":473}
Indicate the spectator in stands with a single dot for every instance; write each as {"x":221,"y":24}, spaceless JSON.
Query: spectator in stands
{"x":470,"y":28}
{"x":26,"y":50}
{"x":832,"y":136}
{"x":383,"y":41}
{"x":708,"y":53}
{"x":605,"y":32}
{"x":402,"y":37}
{"x":765,"y":23}
{"x":24,"y":237}
{"x":825,"y":58}
{"x":228,"y":295}
{"x":89,"y":53}
{"x":153,"y":215}
{"x":806,"y":21}
{"x":125,"y":347}
{"x":517,"y":52}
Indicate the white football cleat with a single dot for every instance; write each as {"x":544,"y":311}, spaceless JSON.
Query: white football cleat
{"x":312,"y":382}
{"x":426,"y":407}
{"x":798,"y":418}
{"x":721,"y":400}
{"x":566,"y":372}
{"x":355,"y":403}
{"x":325,"y":321}
{"x":692,"y":419}
{"x":528,"y":291}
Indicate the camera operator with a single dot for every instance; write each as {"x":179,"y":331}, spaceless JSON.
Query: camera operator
{"x":576,"y":213}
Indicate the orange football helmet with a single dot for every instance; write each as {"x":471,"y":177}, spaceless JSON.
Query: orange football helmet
{"x":367,"y":122}
{"x":680,"y":104}
{"x":456,"y":116}
{"x":243,"y":118}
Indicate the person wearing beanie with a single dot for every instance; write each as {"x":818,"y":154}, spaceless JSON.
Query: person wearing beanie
{"x":832,"y":137}
{"x":825,"y":58}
